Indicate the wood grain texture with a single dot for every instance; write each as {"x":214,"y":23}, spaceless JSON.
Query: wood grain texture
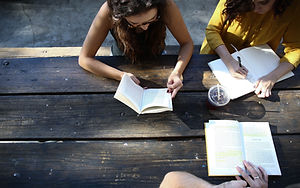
{"x":28,"y":52}
{"x":102,"y":116}
{"x":61,"y":75}
{"x":121,"y":163}
{"x":99,"y":142}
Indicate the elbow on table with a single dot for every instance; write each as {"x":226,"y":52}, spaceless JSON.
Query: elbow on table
{"x":82,"y":61}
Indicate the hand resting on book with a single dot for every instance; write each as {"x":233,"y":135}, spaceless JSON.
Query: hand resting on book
{"x":133,"y":78}
{"x":258,"y":178}
{"x":264,"y":85}
{"x":174,"y":83}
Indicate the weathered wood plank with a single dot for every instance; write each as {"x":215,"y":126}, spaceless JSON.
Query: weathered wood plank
{"x":28,"y":52}
{"x":121,"y":163}
{"x":102,"y":116}
{"x":52,"y":75}
{"x":47,"y":52}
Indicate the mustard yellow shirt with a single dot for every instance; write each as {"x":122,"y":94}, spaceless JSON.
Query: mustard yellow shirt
{"x":255,"y":29}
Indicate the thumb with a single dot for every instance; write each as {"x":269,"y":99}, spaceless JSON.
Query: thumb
{"x":256,"y":83}
{"x":135,"y":80}
{"x":238,"y":178}
{"x":241,"y":183}
{"x":170,"y":83}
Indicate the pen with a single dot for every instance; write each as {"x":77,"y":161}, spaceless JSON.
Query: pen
{"x":238,"y":57}
{"x":240,"y":62}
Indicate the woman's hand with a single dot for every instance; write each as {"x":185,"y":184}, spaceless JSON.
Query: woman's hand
{"x":264,"y":85}
{"x":259,"y":176}
{"x":236,"y":70}
{"x":133,"y":78}
{"x":233,"y":65}
{"x":174,"y":83}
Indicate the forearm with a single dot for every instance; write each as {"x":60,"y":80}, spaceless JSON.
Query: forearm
{"x":184,"y":56}
{"x":100,"y":69}
{"x":224,"y":54}
{"x":281,"y":70}
{"x":178,"y":179}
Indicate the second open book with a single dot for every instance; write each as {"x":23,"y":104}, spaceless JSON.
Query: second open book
{"x":259,"y":60}
{"x":229,"y":142}
{"x":143,"y":100}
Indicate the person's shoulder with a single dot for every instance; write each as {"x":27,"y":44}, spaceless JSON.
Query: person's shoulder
{"x":169,"y":4}
{"x":221,"y":1}
{"x":104,"y":14}
{"x":104,"y":10}
{"x":170,"y":8}
{"x":291,"y":11}
{"x":295,"y":5}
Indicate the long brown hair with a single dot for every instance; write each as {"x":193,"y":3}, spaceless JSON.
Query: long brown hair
{"x":235,"y":8}
{"x":138,"y":45}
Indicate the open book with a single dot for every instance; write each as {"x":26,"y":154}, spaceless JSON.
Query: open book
{"x":229,"y":142}
{"x":259,"y":60}
{"x":143,"y":100}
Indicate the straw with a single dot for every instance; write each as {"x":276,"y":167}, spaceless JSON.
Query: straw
{"x":218,"y":92}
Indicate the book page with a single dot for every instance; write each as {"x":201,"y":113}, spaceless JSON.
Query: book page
{"x":261,"y":61}
{"x":156,"y":100}
{"x":130,"y":93}
{"x":224,"y":147}
{"x":259,"y":146}
{"x":241,"y":86}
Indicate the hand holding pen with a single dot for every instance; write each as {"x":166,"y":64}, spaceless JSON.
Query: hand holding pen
{"x":240,"y":70}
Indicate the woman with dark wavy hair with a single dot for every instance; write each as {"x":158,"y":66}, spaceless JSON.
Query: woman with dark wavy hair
{"x":245,"y":23}
{"x":139,"y":29}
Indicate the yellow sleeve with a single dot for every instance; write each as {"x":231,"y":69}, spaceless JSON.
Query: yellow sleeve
{"x":291,"y":40}
{"x":214,"y":27}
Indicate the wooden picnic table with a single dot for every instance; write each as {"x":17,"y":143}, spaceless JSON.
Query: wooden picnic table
{"x":60,"y":125}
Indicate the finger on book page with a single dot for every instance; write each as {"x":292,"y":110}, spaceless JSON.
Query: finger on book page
{"x":264,"y":173}
{"x":244,"y":174}
{"x":135,"y":80}
{"x":238,"y":178}
{"x":175,"y":92}
{"x":258,"y":88}
{"x":252,"y":169}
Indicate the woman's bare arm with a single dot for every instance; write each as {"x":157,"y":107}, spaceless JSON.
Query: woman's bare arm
{"x":97,"y":33}
{"x":177,"y":27}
